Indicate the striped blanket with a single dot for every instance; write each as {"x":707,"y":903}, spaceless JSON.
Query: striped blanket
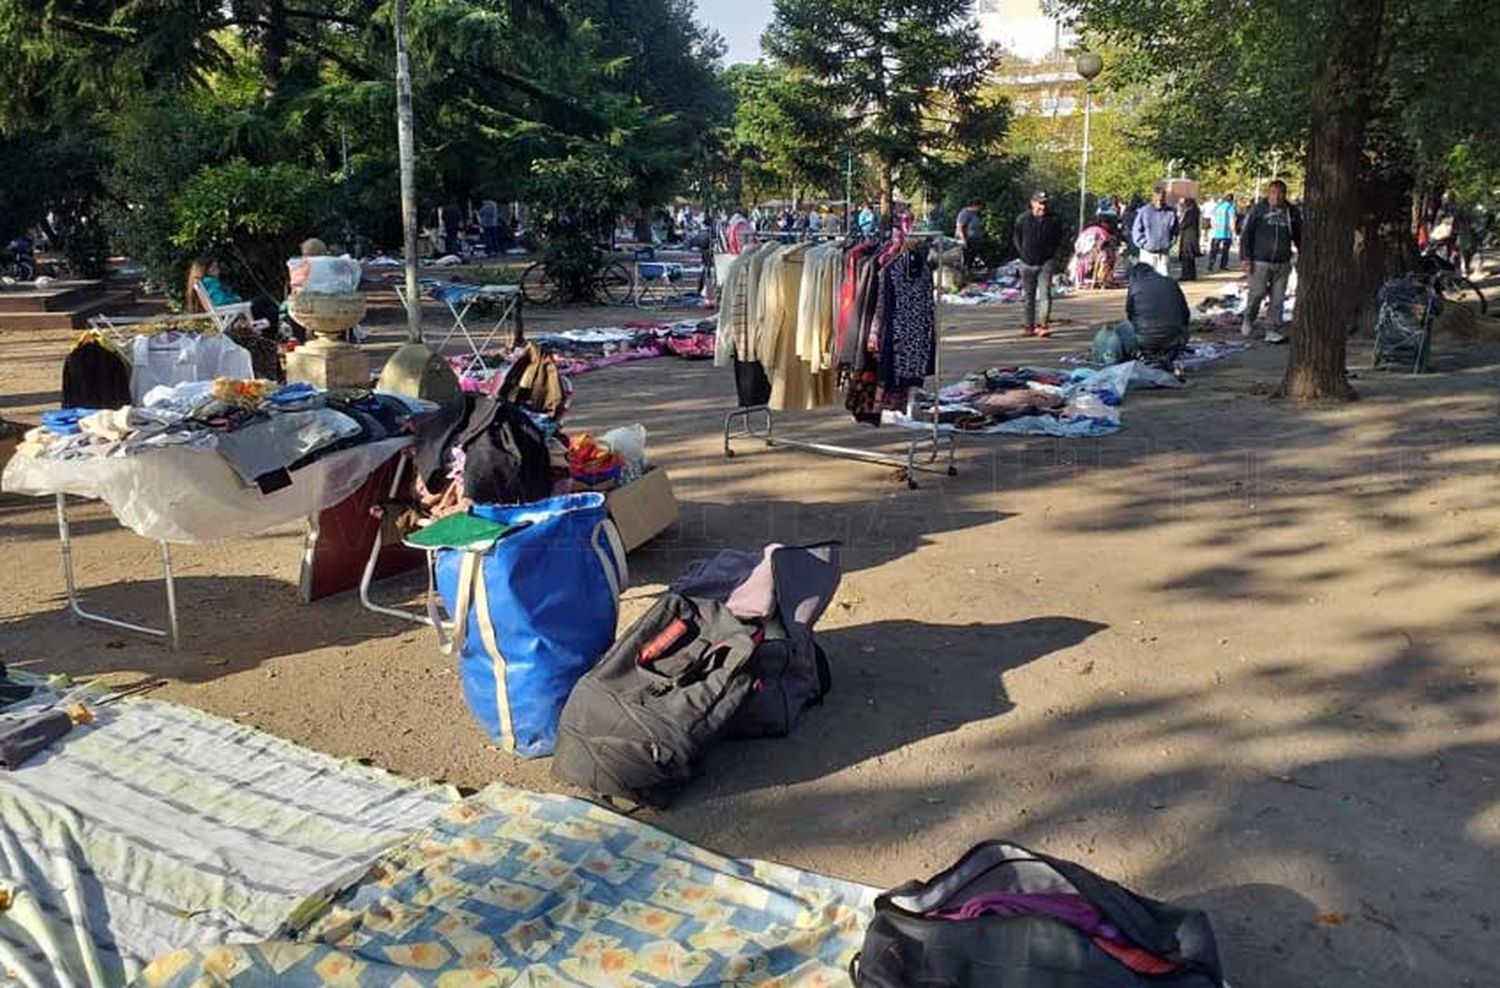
{"x":512,"y":888}
{"x":159,"y":827}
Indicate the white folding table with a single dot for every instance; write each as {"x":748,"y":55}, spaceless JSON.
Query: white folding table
{"x":186,"y":495}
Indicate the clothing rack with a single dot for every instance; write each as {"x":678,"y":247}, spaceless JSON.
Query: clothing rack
{"x":759,"y":421}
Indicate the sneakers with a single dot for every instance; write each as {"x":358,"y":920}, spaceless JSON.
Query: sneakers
{"x":1274,"y":337}
{"x":1028,"y":330}
{"x":1246,"y":329}
{"x":1043,"y":330}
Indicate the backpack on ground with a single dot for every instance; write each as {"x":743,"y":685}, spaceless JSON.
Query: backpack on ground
{"x":1004,"y":915}
{"x":638,"y":723}
{"x":782,"y":590}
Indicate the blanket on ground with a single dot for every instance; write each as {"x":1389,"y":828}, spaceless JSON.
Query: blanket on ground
{"x":517,"y":888}
{"x":158,"y":827}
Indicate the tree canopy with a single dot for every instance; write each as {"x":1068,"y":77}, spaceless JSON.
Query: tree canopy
{"x":907,"y":79}
{"x":1246,"y":77}
{"x":148,"y":100}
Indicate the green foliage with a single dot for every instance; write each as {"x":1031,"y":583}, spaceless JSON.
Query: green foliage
{"x":784,"y":139}
{"x":577,"y":199}
{"x":253,"y":214}
{"x":906,"y":78}
{"x":1000,"y":183}
{"x":154,"y":147}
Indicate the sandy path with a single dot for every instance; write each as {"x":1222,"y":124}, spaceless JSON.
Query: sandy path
{"x":1239,"y":653}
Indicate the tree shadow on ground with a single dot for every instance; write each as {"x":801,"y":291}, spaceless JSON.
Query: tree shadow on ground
{"x":1395,"y":837}
{"x":895,"y":683}
{"x":223,"y":620}
{"x":872,"y":531}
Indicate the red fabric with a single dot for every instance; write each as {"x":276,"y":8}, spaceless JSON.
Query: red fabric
{"x":1138,"y":960}
{"x":846,"y":295}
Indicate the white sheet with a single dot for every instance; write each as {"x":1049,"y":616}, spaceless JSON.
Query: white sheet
{"x":160,"y":827}
{"x":192,"y":495}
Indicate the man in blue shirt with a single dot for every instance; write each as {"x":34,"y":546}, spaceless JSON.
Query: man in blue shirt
{"x":1155,"y":232}
{"x":1224,"y":216}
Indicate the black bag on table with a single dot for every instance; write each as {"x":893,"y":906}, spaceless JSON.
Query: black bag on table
{"x":95,"y":375}
{"x":908,"y":947}
{"x":636,"y":724}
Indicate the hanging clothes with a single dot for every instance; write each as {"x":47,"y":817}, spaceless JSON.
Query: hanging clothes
{"x":908,"y":323}
{"x":734,"y":310}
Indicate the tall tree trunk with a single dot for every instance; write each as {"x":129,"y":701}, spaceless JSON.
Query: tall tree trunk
{"x":887,"y":194}
{"x":273,"y":46}
{"x":1326,"y":302}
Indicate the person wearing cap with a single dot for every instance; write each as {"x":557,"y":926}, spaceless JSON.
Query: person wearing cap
{"x":1155,"y":232}
{"x":1038,"y":235}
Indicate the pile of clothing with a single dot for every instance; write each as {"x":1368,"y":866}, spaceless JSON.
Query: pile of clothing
{"x":1198,"y":353}
{"x":1003,"y":286}
{"x":263,"y":431}
{"x":1226,"y":310}
{"x":1028,"y":401}
{"x":579,"y":351}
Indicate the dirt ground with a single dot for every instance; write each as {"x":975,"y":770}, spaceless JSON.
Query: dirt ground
{"x":1240,"y":654}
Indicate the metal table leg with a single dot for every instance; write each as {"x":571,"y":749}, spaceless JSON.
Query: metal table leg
{"x":368,"y":577}
{"x":65,"y":539}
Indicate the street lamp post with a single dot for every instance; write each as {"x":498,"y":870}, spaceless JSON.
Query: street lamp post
{"x":1088,"y":66}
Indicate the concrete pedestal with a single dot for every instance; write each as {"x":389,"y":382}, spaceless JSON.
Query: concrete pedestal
{"x":329,"y":363}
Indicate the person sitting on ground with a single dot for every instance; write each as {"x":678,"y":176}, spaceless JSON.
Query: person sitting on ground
{"x":1159,"y":314}
{"x":205,"y":274}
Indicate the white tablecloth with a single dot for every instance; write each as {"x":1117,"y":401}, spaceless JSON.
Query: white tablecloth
{"x":192,"y":495}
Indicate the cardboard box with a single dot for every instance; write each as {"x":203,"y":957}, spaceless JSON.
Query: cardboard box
{"x":644,"y":509}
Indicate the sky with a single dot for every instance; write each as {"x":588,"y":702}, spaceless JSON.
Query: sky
{"x":1019,"y":24}
{"x":740,"y":22}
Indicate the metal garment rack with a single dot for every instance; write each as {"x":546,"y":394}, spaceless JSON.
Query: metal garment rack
{"x":759,"y":422}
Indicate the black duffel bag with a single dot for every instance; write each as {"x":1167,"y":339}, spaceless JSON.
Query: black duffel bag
{"x":1006,"y":917}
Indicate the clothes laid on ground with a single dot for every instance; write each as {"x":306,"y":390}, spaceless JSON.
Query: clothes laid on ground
{"x":1081,"y":404}
{"x":1005,"y":915}
{"x":1196,"y":353}
{"x":1002,"y":286}
{"x":579,"y":351}
{"x":511,"y":888}
{"x":157,"y":827}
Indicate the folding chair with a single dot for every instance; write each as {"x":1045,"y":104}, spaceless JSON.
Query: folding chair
{"x":461,"y":300}
{"x":225,"y":316}
{"x":658,"y":283}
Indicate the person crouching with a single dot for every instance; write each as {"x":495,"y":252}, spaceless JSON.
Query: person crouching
{"x":1159,"y":313}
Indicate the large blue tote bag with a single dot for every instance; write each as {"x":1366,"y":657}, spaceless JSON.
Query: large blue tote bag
{"x":533,"y":613}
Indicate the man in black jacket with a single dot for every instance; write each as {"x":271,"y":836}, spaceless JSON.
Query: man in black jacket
{"x":1271,"y":231}
{"x":1037,"y":238}
{"x":1159,"y":314}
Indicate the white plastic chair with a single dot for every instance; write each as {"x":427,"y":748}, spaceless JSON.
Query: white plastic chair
{"x":225,"y":316}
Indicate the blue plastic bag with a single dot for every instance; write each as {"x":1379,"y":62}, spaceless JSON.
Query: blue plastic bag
{"x":533,"y":613}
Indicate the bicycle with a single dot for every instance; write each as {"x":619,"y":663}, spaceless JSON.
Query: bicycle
{"x":17,"y":260}
{"x":1448,"y":281}
{"x":612,"y":283}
